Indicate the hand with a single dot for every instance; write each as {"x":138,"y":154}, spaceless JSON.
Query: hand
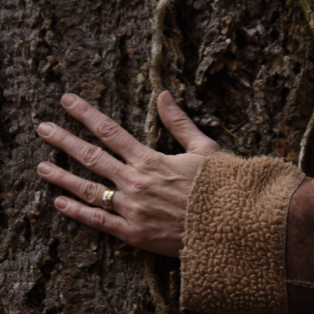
{"x":153,"y":188}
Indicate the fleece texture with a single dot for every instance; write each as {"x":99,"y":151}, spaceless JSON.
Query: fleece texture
{"x":233,"y":259}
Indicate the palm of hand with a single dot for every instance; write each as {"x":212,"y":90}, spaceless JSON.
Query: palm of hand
{"x":153,"y":188}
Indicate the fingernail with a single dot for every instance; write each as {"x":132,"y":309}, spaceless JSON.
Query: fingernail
{"x":61,"y":203}
{"x":45,"y":129}
{"x":45,"y":168}
{"x":68,"y":100}
{"x":168,"y":99}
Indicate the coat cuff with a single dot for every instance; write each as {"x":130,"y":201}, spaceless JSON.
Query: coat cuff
{"x":233,"y":259}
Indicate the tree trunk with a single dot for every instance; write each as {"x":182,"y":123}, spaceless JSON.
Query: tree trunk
{"x":242,"y":70}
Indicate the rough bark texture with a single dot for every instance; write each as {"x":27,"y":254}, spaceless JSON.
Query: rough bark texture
{"x":242,"y":70}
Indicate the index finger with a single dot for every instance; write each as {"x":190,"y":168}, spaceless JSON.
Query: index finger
{"x":107,"y":130}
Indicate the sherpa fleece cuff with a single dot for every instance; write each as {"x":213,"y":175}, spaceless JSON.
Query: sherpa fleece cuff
{"x":233,"y":259}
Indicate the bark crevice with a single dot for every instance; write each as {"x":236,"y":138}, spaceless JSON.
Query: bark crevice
{"x":242,"y":72}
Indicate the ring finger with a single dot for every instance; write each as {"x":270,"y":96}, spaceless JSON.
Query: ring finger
{"x":88,"y":191}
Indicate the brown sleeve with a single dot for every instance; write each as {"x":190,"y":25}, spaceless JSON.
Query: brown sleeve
{"x":234,"y":257}
{"x":300,"y":250}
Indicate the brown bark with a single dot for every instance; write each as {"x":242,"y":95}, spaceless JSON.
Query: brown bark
{"x":242,"y":70}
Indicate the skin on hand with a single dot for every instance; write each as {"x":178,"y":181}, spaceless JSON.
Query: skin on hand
{"x":153,"y":188}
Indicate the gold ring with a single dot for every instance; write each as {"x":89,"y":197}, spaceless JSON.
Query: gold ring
{"x":107,"y":199}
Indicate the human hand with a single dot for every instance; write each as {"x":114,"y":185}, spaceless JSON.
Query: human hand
{"x":153,"y":188}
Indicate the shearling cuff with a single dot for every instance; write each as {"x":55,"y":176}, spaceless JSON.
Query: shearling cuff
{"x":234,"y":255}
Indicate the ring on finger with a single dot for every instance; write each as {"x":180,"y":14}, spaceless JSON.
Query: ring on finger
{"x":107,"y":199}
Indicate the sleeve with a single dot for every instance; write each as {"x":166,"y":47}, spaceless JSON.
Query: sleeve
{"x":300,"y":250}
{"x":234,"y":256}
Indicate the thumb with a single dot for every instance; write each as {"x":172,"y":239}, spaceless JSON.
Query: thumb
{"x":182,"y":127}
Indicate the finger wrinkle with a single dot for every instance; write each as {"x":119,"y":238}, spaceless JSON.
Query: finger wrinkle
{"x":90,"y":155}
{"x":84,"y":111}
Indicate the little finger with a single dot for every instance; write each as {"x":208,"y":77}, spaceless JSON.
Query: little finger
{"x":94,"y":217}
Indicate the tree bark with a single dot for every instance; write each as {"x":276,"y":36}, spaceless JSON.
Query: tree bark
{"x":242,"y":70}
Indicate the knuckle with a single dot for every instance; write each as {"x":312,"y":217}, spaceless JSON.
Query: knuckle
{"x":90,"y":155}
{"x":97,"y":220}
{"x":179,"y":121}
{"x":90,"y":192}
{"x":108,"y":129}
{"x":151,"y":161}
{"x":139,"y":186}
{"x":78,"y":213}
{"x":138,"y":209}
{"x":84,"y":109}
{"x":136,"y":236}
{"x":62,"y":176}
{"x":193,"y":146}
{"x":64,"y":141}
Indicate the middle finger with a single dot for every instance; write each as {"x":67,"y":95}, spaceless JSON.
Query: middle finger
{"x":107,"y":130}
{"x":91,"y":156}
